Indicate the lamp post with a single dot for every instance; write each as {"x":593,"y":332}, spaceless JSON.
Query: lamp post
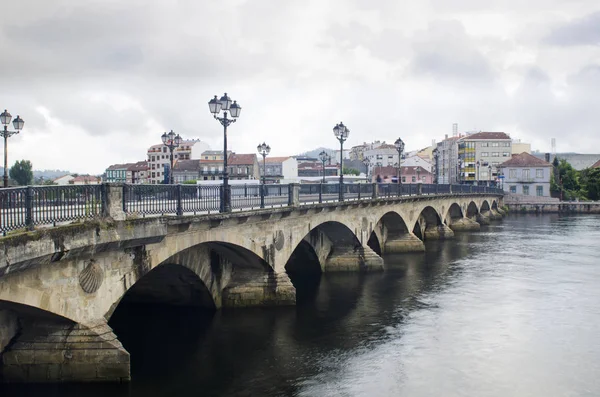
{"x":436,"y":156}
{"x":171,"y":141}
{"x":367,"y":162}
{"x":341,"y":132}
{"x":216,"y":106}
{"x":263,"y":149}
{"x":459,"y":173}
{"x":400,"y":148}
{"x":18,"y":123}
{"x":489,"y":175}
{"x":323,"y":156}
{"x":418,"y":174}
{"x":477,"y":174}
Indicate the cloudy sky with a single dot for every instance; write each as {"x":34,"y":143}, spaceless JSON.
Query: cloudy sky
{"x":97,"y":82}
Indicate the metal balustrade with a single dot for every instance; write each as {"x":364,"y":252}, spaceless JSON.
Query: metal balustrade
{"x":27,"y":207}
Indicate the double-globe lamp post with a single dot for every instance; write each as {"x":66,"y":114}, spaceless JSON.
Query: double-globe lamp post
{"x":341,"y":132}
{"x":324,"y":157}
{"x":367,"y":163}
{"x":226,"y":106}
{"x":264,"y":150}
{"x":400,"y":148}
{"x":477,"y":181}
{"x":18,"y":123}
{"x":171,"y":141}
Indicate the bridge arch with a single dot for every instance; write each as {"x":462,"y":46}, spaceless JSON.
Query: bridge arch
{"x":454,"y":214}
{"x":389,"y":229}
{"x":472,"y":210}
{"x":485,"y":206}
{"x":428,"y":219}
{"x":495,"y":205}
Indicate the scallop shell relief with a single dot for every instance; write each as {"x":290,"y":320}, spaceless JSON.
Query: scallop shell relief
{"x":91,"y":278}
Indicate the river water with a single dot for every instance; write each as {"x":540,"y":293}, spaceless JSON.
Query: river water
{"x":513,"y":310}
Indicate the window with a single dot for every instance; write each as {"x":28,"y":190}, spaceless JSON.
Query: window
{"x":403,"y":179}
{"x":526,"y":190}
{"x":495,"y":154}
{"x":539,"y":190}
{"x":153,"y":175}
{"x":391,"y":157}
{"x":414,"y":178}
{"x":379,"y":157}
{"x":484,"y":144}
{"x":423,"y":178}
{"x":506,"y":144}
{"x":152,"y":158}
{"x":495,"y":144}
{"x":526,"y":174}
{"x":512,"y":174}
{"x":539,"y":174}
{"x":164,"y":150}
{"x":205,"y":157}
{"x":484,"y":154}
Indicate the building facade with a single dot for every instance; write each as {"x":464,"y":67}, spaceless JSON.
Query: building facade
{"x":243,"y":166}
{"x":116,"y":173}
{"x":486,"y":149}
{"x":445,"y":161}
{"x":526,"y":175}
{"x":137,"y":173}
{"x":278,"y":168}
{"x":159,"y":158}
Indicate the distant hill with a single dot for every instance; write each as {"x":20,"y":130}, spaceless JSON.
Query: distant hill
{"x":46,"y":174}
{"x":315,"y":152}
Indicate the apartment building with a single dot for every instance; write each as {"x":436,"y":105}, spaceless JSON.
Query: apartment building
{"x":445,"y":161}
{"x":159,"y":158}
{"x":485,"y":149}
{"x":137,"y":173}
{"x":243,"y":166}
{"x":278,"y":168}
{"x":526,"y":175}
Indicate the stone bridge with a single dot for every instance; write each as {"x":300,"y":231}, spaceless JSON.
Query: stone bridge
{"x":60,"y":286}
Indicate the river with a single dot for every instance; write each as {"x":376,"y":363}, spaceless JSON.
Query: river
{"x":513,"y":310}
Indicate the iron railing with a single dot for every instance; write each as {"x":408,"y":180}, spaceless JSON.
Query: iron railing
{"x":30,"y":206}
{"x":27,"y":207}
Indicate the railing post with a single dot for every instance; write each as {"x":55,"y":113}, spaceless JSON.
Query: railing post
{"x":375,"y":190}
{"x":178,"y":191}
{"x":114,"y":204}
{"x":420,"y":189}
{"x":450,"y":189}
{"x":470,"y":188}
{"x":359,"y":189}
{"x":245,"y":190}
{"x":262,"y":195}
{"x":320,"y":192}
{"x":294,"y":196}
{"x":29,"y":208}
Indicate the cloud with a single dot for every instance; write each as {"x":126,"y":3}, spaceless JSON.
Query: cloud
{"x":580,"y":31}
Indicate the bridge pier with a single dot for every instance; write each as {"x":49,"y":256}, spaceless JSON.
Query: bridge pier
{"x":348,"y":258}
{"x":483,"y":218}
{"x":495,"y":215}
{"x":438,"y":232}
{"x":405,"y":242}
{"x":65,"y":352}
{"x":464,"y":224}
{"x":251,"y":288}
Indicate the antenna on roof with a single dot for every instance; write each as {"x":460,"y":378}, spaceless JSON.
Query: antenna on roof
{"x":455,"y":129}
{"x":553,"y":140}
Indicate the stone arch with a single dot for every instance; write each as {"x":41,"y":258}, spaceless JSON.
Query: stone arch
{"x":472,"y":210}
{"x":338,"y":248}
{"x":495,"y":205}
{"x":485,"y":206}
{"x":429,"y":225}
{"x":392,"y":235}
{"x":303,"y":261}
{"x":454,"y":214}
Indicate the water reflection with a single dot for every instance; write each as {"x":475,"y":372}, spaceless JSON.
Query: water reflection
{"x":511,"y":310}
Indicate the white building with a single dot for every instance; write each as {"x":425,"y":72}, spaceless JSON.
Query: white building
{"x":159,"y":157}
{"x":278,"y":168}
{"x":64,"y":180}
{"x":417,"y":161}
{"x":382,"y":156}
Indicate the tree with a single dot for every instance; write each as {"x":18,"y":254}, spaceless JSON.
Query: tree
{"x":590,"y":181}
{"x":22,"y":172}
{"x":350,"y":171}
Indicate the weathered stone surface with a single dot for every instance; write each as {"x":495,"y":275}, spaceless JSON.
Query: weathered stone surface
{"x":483,"y":219}
{"x":344,"y":259}
{"x":406,"y":242}
{"x":65,"y":352}
{"x":9,"y":325}
{"x":464,"y":224}
{"x":254,"y":289}
{"x":439,"y":232}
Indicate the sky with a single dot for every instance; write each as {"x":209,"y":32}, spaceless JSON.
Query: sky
{"x":97,"y":82}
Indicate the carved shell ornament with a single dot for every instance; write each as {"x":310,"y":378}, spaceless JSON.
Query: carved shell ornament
{"x":91,"y":278}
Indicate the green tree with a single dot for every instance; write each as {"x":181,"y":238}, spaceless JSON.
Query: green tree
{"x":22,"y":172}
{"x":350,"y":171}
{"x":590,"y":181}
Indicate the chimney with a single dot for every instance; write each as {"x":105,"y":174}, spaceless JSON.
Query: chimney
{"x":547,"y":156}
{"x":446,"y":137}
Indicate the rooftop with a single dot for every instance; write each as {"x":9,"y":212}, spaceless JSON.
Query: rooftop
{"x":525,"y":160}
{"x":241,"y":159}
{"x":275,"y":159}
{"x":596,"y":164}
{"x":487,"y":135}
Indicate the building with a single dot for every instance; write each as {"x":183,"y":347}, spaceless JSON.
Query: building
{"x":85,"y":180}
{"x":63,"y":180}
{"x":519,"y":147}
{"x":116,"y":173}
{"x":159,"y":158}
{"x":417,"y":161}
{"x":596,"y":164}
{"x":445,"y":160}
{"x":485,"y":148}
{"x":315,"y":168}
{"x":243,"y":166}
{"x":526,"y":175}
{"x":357,"y":152}
{"x":137,"y":173}
{"x":213,"y":155}
{"x":278,"y":168}
{"x":410,"y":174}
{"x":197,"y":170}
{"x":383,"y":155}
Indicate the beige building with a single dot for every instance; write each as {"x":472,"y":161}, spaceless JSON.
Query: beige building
{"x":519,"y":147}
{"x":159,"y":157}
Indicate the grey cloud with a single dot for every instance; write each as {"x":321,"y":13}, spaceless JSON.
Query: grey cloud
{"x":582,"y":31}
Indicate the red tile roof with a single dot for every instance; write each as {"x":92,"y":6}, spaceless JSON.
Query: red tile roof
{"x":275,"y":159}
{"x":596,"y":164}
{"x":241,"y":159}
{"x":187,"y":165}
{"x":525,"y":160}
{"x":487,"y":135}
